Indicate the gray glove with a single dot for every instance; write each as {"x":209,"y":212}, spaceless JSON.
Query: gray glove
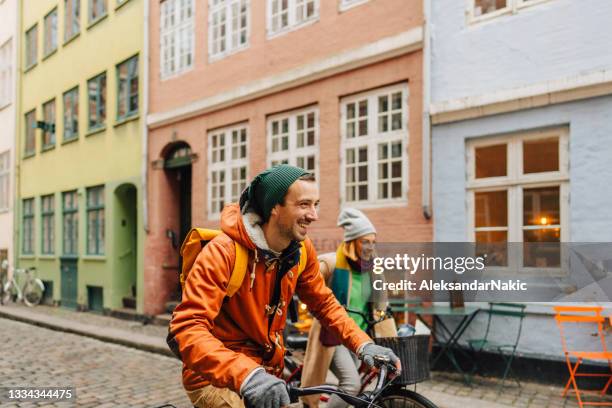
{"x":265,"y":391}
{"x":370,"y":350}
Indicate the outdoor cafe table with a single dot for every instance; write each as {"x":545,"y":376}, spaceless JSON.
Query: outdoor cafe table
{"x":446,"y":337}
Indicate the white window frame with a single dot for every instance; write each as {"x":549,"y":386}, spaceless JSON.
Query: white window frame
{"x":294,"y":152}
{"x":51,"y":32}
{"x":349,"y":4}
{"x":514,"y":182}
{"x":293,"y":22}
{"x":371,"y":141}
{"x":512,"y":7}
{"x":181,"y":33}
{"x":5,"y":177}
{"x":228,"y":164}
{"x":6,"y":73}
{"x":226,"y":6}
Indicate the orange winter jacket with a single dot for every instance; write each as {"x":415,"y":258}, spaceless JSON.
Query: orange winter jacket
{"x":220,"y":339}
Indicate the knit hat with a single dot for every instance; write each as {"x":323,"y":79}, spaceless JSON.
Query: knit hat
{"x":355,"y":224}
{"x":269,"y":188}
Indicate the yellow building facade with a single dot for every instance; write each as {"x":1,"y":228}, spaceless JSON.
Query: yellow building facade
{"x":79,"y":145}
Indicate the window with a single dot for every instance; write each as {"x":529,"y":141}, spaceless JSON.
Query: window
{"x":228,"y":22}
{"x":30,"y":133}
{"x":177,"y":36}
{"x":97,"y":10}
{"x":347,"y":4}
{"x":48,"y":224}
{"x":27,"y":227}
{"x":72,"y":17}
{"x":70,"y":222}
{"x":51,"y":32}
{"x":5,"y":174}
{"x":96,"y":89}
{"x":127,"y":88}
{"x":518,"y":192}
{"x":374,"y":128}
{"x":228,"y":166}
{"x":284,"y":15}
{"x":293,"y":138}
{"x":479,"y":10}
{"x":48,"y":140}
{"x":31,"y":46}
{"x":95,"y":220}
{"x":71,"y":114}
{"x":6,"y":73}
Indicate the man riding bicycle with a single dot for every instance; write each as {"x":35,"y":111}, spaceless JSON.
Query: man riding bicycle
{"x":232,"y":347}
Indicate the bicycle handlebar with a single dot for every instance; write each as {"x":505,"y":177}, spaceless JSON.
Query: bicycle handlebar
{"x":363,"y":400}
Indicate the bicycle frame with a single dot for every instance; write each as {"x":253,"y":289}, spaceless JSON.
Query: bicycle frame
{"x":12,"y":286}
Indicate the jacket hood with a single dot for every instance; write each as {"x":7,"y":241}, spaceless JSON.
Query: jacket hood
{"x":243,"y":228}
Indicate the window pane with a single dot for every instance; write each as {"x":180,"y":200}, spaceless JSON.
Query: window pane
{"x":494,"y":245}
{"x":540,"y":156}
{"x":491,"y":209}
{"x":491,"y":161}
{"x":541,"y":206}
{"x":488,"y":6}
{"x":541,"y":248}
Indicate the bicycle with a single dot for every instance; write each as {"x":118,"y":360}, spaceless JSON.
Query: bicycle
{"x":392,"y":396}
{"x":31,"y":292}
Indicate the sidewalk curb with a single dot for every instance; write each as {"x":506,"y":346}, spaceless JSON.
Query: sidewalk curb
{"x":146,"y":343}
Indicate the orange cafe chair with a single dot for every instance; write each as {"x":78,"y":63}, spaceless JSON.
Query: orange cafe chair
{"x":583,"y":317}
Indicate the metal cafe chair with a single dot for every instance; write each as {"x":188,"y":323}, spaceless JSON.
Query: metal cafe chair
{"x":583,"y":316}
{"x":507,"y":350}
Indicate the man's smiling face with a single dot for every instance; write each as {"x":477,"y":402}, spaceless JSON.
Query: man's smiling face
{"x":299,"y":210}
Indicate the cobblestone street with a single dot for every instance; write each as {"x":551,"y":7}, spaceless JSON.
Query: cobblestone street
{"x":104,"y":375}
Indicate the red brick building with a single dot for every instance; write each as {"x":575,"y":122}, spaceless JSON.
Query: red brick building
{"x":239,"y":85}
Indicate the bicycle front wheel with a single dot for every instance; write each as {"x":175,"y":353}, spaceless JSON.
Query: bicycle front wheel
{"x":7,"y":293}
{"x":402,"y":398}
{"x":33,"y":292}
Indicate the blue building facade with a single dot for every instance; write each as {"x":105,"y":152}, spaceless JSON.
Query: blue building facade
{"x":521,"y":109}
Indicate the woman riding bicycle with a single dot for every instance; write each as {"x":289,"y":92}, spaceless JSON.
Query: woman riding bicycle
{"x":346,"y":273}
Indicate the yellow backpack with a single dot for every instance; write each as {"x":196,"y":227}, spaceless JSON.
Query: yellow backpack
{"x":197,"y":238}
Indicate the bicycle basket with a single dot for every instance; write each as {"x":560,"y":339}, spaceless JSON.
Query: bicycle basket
{"x":413,"y":352}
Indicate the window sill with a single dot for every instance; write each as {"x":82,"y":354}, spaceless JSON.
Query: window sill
{"x":49,"y":55}
{"x":95,"y":22}
{"x":27,"y":256}
{"x":71,"y":39}
{"x":120,"y":5}
{"x":126,"y":119}
{"x":31,"y":67}
{"x":346,"y":7}
{"x":287,"y":30}
{"x":95,"y":131}
{"x":175,"y":74}
{"x":28,"y":155}
{"x":71,"y":140}
{"x":94,"y":258}
{"x":375,"y":205}
{"x":4,"y":210}
{"x":5,"y":105}
{"x":47,"y":257}
{"x":218,"y":57}
{"x":47,"y":148}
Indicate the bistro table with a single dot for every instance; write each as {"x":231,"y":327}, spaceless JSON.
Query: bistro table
{"x":445,"y":337}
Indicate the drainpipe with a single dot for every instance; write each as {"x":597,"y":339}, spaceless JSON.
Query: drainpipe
{"x":426,"y":140}
{"x":16,"y":144}
{"x":145,"y":132}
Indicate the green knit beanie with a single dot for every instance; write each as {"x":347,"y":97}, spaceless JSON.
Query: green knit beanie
{"x":269,"y":188}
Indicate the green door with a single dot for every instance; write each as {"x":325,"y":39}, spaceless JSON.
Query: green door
{"x":69,"y":283}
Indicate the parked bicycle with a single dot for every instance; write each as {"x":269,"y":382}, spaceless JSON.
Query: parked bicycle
{"x":393,"y":394}
{"x":30,"y":292}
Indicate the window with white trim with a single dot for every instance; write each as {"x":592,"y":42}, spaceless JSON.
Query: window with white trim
{"x":374,"y":159}
{"x":228,"y":27}
{"x":479,"y":10}
{"x":518,"y":191}
{"x":6,"y":73}
{"x":284,"y":15}
{"x":347,"y":4}
{"x":228,"y":164}
{"x":72,"y":16}
{"x":176,"y":36}
{"x":50,"y":32}
{"x":5,"y":173}
{"x":293,"y":138}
